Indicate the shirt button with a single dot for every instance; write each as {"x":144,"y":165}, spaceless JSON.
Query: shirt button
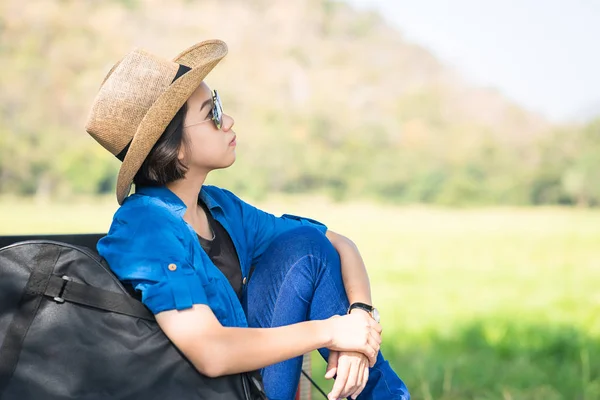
{"x":244,"y":281}
{"x":172,"y":267}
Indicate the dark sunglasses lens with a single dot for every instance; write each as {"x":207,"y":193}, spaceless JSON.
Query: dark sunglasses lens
{"x":217,"y":111}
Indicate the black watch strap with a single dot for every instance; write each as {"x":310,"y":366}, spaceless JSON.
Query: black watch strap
{"x":362,"y":306}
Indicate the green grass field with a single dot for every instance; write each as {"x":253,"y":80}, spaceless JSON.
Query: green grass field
{"x":476,"y":304}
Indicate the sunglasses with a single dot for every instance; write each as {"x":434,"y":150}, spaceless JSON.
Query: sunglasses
{"x":217,"y":112}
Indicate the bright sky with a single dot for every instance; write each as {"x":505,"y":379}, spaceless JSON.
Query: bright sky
{"x":543,"y":54}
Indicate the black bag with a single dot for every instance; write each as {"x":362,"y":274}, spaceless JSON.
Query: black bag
{"x":70,"y":330}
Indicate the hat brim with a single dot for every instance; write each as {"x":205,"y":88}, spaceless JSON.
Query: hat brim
{"x":201,"y":58}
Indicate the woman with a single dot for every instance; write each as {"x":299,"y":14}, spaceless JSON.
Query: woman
{"x":255,"y":290}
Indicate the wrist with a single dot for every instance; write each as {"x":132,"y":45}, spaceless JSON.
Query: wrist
{"x":369,"y":309}
{"x":358,"y":311}
{"x":324,"y":332}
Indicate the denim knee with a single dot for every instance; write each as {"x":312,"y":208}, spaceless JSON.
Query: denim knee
{"x":305,"y":240}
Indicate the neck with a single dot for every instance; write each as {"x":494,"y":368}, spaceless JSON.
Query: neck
{"x":187,"y":189}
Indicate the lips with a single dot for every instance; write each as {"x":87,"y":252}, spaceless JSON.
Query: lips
{"x":233,"y":142}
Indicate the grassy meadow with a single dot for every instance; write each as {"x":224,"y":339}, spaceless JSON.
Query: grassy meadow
{"x":496,"y":303}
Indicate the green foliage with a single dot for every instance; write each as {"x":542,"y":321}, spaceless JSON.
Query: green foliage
{"x":493,"y":359}
{"x":497,"y":303}
{"x":580,"y":180}
{"x":332,"y":101}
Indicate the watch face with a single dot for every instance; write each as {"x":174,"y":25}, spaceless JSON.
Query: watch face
{"x":376,"y":316}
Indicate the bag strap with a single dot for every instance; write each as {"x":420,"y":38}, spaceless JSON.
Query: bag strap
{"x":64,"y":289}
{"x":28,"y":306}
{"x":42,"y":283}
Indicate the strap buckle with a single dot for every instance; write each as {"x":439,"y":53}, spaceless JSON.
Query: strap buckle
{"x":59,"y":298}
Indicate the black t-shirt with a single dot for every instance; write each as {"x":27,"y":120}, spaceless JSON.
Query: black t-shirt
{"x":222,"y":252}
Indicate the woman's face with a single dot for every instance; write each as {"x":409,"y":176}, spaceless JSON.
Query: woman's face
{"x":209,"y":148}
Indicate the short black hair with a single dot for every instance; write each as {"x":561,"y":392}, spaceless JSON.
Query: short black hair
{"x":162,"y":165}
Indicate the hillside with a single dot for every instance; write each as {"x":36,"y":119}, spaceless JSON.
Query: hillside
{"x":305,"y":77}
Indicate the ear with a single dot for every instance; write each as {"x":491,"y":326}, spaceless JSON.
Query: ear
{"x":181,"y":154}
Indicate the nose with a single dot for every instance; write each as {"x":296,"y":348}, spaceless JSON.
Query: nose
{"x":227,"y":122}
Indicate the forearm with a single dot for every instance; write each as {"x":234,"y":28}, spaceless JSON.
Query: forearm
{"x":232,"y":350}
{"x":216,"y":350}
{"x":354,"y":271}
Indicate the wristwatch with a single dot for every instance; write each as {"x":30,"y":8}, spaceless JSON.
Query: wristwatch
{"x":370,"y":309}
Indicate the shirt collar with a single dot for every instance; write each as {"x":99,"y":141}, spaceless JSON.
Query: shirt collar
{"x":172,"y":200}
{"x":208,"y":199}
{"x":165,"y":195}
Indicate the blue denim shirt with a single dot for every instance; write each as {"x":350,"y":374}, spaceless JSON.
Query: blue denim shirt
{"x":150,"y":246}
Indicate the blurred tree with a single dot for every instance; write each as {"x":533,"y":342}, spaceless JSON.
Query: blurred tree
{"x":326,"y":99}
{"x":580,"y":178}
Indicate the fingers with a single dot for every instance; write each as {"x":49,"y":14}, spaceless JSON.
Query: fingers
{"x":364,"y":373}
{"x":355,"y":391}
{"x":372,"y":323}
{"x":377,"y":327}
{"x":332,"y":363}
{"x":375,"y":330}
{"x":372,"y":349}
{"x":372,"y":340}
{"x":351,"y":375}
{"x":340,"y":381}
{"x":352,"y":381}
{"x":356,"y":332}
{"x":376,"y":336}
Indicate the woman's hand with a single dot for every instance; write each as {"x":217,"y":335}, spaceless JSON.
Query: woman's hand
{"x":356,"y":332}
{"x":352,"y":371}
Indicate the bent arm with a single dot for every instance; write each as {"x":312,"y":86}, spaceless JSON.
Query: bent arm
{"x":354,"y":272}
{"x":216,"y":350}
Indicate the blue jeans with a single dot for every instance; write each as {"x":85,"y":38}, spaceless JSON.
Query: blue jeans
{"x":298,"y":279}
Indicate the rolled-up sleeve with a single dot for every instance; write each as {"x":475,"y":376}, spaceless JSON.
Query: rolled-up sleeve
{"x":148,"y":251}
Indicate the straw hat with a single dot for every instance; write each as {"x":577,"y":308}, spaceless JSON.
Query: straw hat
{"x":140,"y":96}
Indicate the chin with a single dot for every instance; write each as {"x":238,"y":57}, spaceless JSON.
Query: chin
{"x":232,"y":160}
{"x":228,"y":163}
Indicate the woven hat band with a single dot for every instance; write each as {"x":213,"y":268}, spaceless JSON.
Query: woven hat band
{"x":180,"y":72}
